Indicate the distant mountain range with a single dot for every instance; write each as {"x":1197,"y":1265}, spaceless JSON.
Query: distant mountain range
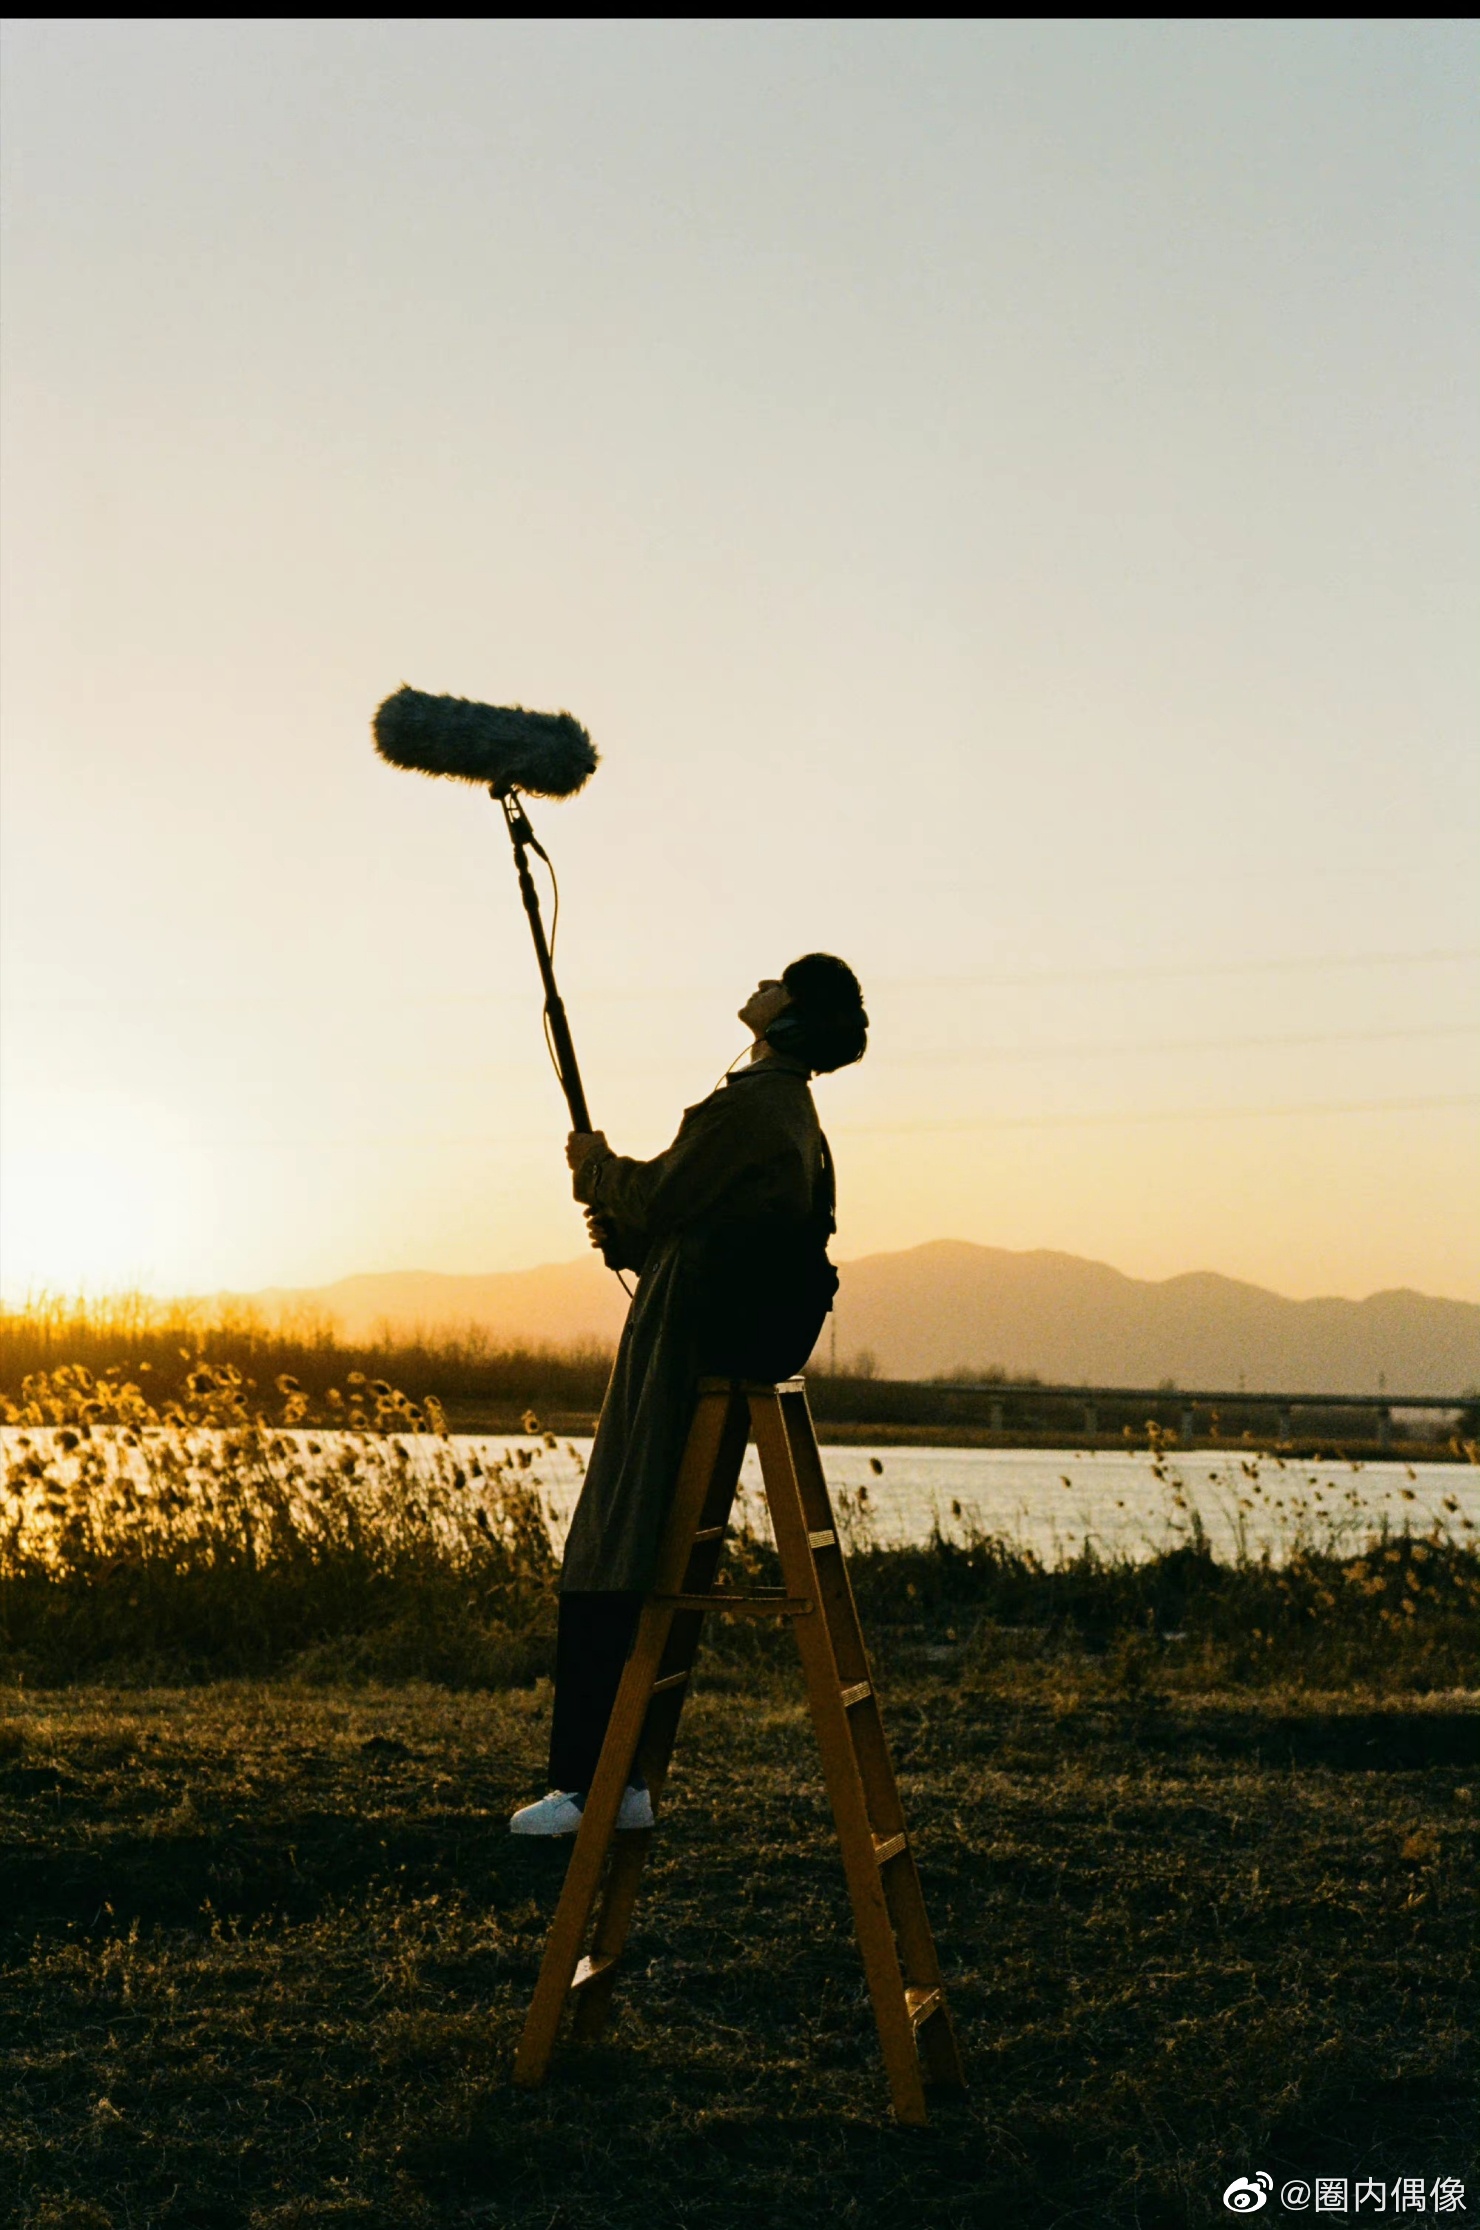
{"x":950,"y":1306}
{"x":948,"y":1303}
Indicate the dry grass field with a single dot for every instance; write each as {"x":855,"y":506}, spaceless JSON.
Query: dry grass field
{"x":267,"y":1950}
{"x":1199,"y":1842}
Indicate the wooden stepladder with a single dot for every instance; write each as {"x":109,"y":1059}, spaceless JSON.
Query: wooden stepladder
{"x":899,"y":1958}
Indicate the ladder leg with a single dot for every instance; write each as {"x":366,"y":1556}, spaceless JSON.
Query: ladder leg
{"x":840,"y":1769}
{"x":893,"y":1932}
{"x":688,"y":1565}
{"x":935,"y":2032}
{"x":642,"y":1729}
{"x":628,"y":1852}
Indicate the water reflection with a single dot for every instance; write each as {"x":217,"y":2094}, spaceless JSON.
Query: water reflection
{"x":1053,"y":1501}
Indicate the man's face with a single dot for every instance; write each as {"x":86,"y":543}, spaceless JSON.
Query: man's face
{"x":769,"y":998}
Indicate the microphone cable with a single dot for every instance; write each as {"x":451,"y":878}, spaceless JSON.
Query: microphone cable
{"x":536,"y":846}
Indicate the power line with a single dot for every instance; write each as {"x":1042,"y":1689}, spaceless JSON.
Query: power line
{"x":1186,"y":1045}
{"x":599,"y":994}
{"x":1153,"y":1115}
{"x":1178,"y":968}
{"x":202,"y":1142}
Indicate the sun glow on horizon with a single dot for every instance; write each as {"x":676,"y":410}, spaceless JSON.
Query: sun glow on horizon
{"x":997,"y":491}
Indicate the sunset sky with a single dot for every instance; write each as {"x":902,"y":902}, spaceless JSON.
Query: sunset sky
{"x":1002,"y":497}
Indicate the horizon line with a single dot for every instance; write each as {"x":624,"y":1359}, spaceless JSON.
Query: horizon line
{"x":37,"y":1296}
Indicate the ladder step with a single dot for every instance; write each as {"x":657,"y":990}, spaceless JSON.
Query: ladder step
{"x":855,"y":1694}
{"x":826,"y":1539}
{"x":669,"y":1682}
{"x":591,"y":1970}
{"x":887,"y":1847}
{"x":746,"y":1606}
{"x":920,"y":2004}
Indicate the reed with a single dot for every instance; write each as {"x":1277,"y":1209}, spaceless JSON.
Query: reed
{"x":218,"y":1534}
{"x":159,"y":1343}
{"x":222,"y":1532}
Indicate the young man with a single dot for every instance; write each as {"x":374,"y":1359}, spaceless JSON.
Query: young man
{"x":751,"y":1153}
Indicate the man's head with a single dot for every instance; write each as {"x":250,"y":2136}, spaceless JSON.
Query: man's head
{"x":813,"y":1013}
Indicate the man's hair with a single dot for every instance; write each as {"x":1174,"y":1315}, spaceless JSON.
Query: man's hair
{"x":826,"y":1024}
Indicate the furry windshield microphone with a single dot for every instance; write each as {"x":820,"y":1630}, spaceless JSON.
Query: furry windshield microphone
{"x":503,"y":746}
{"x":507,"y":750}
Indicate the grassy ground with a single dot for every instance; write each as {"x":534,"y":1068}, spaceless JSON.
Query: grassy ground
{"x":267,"y":1950}
{"x":1199,"y":1841}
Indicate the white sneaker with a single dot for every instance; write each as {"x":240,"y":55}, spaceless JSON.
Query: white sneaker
{"x":637,"y":1809}
{"x":556,"y":1814}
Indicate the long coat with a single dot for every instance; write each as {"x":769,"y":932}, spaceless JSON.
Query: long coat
{"x":752,"y":1148}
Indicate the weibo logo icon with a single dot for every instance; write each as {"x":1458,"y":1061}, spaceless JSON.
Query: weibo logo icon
{"x":1247,"y":2194}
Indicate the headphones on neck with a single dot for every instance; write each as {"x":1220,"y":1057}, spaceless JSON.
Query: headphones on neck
{"x":787,"y":1034}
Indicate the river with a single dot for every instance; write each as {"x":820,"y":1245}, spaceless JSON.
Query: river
{"x":1054,"y":1501}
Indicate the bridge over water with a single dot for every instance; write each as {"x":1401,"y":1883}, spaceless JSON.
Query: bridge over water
{"x":1189,"y":1416}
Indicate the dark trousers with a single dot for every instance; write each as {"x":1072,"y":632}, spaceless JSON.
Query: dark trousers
{"x":592,"y":1644}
